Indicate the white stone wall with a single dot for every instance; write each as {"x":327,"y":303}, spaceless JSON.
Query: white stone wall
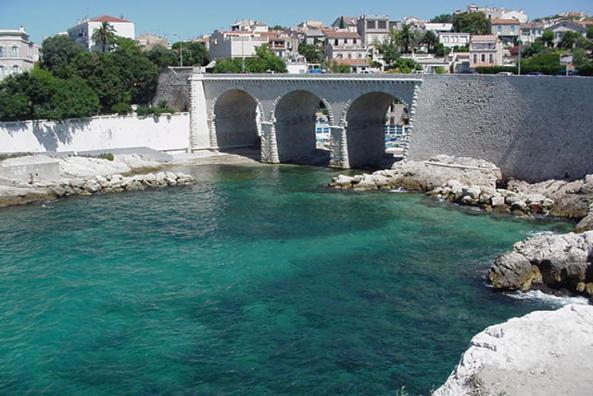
{"x":168,"y":132}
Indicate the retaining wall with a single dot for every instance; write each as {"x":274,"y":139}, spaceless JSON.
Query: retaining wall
{"x":168,"y":132}
{"x":533,"y":128}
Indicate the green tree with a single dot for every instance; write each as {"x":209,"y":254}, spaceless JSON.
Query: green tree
{"x":265,"y":61}
{"x":548,"y":38}
{"x":441,"y":51}
{"x":430,"y":40}
{"x":104,"y":36}
{"x":390,"y":49}
{"x":406,"y":39}
{"x":443,"y":18}
{"x":57,"y":52}
{"x":312,"y":53}
{"x":568,"y":40}
{"x":162,"y":57}
{"x":229,"y":65}
{"x":13,"y":106}
{"x":194,"y":53}
{"x":339,"y":68}
{"x":590,"y":32}
{"x":405,"y":66}
{"x":471,"y":22}
{"x":72,"y":98}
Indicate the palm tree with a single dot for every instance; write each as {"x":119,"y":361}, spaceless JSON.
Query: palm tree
{"x":568,"y":40}
{"x":104,"y":36}
{"x":407,"y":39}
{"x":430,"y":40}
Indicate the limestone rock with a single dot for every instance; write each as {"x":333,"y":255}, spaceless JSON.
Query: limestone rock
{"x":563,"y":261}
{"x":544,"y":353}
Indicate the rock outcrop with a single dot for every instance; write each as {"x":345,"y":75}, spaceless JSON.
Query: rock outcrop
{"x":474,"y":183}
{"x":556,"y":261}
{"x":543,"y":353}
{"x":587,"y":223}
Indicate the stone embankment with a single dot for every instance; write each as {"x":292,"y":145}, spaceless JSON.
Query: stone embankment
{"x":114,"y":184}
{"x":543,"y":353}
{"x":71,"y":176}
{"x":473,"y":182}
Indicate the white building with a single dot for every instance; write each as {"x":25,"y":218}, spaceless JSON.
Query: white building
{"x":485,"y":51}
{"x":17,"y":53}
{"x":83,"y":32}
{"x":498,"y":13}
{"x":451,"y":40}
{"x":347,"y":23}
{"x":249,"y":25}
{"x":560,"y":28}
{"x":438,"y":27}
{"x":530,"y":32}
{"x":344,"y":45}
{"x":149,"y":41}
{"x":234,"y":44}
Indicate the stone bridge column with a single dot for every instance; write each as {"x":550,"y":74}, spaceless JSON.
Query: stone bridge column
{"x":339,"y":148}
{"x":198,"y":117}
{"x":212,"y":132}
{"x":412,"y":121}
{"x":269,"y":146}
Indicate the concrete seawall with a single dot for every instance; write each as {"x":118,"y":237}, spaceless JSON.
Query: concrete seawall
{"x":533,"y":128}
{"x":168,"y":132}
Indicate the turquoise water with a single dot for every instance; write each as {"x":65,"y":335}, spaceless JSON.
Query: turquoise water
{"x":256,"y":281}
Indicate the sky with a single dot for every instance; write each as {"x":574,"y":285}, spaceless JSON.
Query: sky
{"x":185,"y":19}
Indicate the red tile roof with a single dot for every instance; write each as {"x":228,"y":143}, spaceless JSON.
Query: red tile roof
{"x":352,"y":62}
{"x":108,"y":18}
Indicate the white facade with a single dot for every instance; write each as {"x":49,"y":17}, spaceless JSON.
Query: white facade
{"x":17,"y":53}
{"x":234,"y":44}
{"x":83,"y":32}
{"x":498,"y":13}
{"x":373,"y":29}
{"x":451,"y":40}
{"x":438,"y":27}
{"x":96,"y":133}
{"x":485,"y":51}
{"x":531,"y":32}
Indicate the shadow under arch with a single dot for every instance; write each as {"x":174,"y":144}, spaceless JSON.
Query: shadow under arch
{"x":237,"y":120}
{"x":365,"y":132}
{"x":296,"y":139}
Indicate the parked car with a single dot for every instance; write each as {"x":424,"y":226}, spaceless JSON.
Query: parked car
{"x":505,"y":74}
{"x":535,"y":74}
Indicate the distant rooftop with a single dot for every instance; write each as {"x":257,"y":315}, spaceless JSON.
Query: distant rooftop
{"x":108,"y":18}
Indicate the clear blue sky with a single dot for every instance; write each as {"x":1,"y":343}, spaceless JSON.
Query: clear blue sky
{"x":189,"y":18}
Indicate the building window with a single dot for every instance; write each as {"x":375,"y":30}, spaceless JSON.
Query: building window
{"x":499,"y":29}
{"x":2,"y":52}
{"x":483,"y":58}
{"x":354,"y":41}
{"x":336,"y":42}
{"x":16,"y":69}
{"x":15,"y":51}
{"x":382,"y":24}
{"x":491,"y":58}
{"x":475,"y":58}
{"x":349,"y":55}
{"x":371,"y":25}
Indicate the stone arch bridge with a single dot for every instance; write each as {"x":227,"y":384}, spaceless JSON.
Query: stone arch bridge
{"x":277,"y":113}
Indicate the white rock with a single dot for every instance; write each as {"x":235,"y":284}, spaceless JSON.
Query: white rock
{"x":546,"y":353}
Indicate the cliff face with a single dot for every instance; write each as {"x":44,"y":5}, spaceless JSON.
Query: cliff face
{"x":542,"y":353}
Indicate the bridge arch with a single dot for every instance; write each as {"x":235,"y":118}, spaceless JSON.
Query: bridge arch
{"x":295,"y":121}
{"x":364,"y":119}
{"x":237,"y":117}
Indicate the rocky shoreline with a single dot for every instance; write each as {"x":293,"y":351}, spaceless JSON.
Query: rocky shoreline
{"x":551,"y":262}
{"x":543,"y":353}
{"x":82,"y":176}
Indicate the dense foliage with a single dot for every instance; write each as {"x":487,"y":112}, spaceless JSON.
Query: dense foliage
{"x":194,"y":53}
{"x":471,"y":22}
{"x":264,"y":61}
{"x":313,"y":53}
{"x":71,"y":82}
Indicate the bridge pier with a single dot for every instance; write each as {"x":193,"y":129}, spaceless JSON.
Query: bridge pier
{"x":198,"y":118}
{"x":269,"y":145}
{"x":339,"y":148}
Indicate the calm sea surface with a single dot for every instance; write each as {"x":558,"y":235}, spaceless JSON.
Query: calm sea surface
{"x":256,"y":281}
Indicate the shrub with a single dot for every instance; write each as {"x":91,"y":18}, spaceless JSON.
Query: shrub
{"x":106,"y":156}
{"x":122,"y":108}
